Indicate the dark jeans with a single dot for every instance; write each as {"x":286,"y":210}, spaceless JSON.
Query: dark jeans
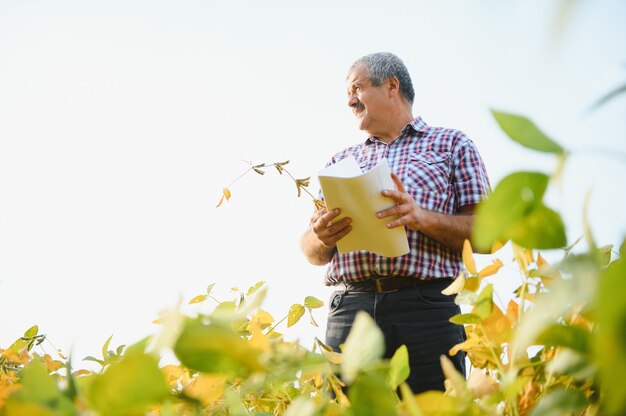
{"x":417,"y":317}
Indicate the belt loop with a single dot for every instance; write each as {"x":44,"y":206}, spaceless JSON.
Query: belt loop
{"x":345,"y":286}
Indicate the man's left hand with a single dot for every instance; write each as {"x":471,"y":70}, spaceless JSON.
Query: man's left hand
{"x":407,"y":211}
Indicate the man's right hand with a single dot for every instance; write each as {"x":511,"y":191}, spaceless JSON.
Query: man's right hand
{"x":327,"y":231}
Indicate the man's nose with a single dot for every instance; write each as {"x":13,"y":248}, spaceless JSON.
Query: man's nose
{"x":352,"y":100}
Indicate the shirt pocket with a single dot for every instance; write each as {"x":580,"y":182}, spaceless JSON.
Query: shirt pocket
{"x":429,"y":171}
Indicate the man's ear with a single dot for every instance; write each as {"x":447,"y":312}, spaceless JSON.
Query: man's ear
{"x":393,"y":86}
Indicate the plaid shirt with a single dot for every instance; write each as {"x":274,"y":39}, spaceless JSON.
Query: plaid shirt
{"x":442,"y":170}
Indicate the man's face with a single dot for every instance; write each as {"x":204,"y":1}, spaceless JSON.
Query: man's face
{"x":370,"y":104}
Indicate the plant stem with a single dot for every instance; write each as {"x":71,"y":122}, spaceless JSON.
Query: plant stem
{"x":276,"y":324}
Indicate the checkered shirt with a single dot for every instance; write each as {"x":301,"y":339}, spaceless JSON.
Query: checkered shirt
{"x":443,"y":171}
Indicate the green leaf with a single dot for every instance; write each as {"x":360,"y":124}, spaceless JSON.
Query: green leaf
{"x":364,"y":345}
{"x":573,"y":337}
{"x":295,"y":313}
{"x":604,"y":254}
{"x":526,"y":133}
{"x":399,"y":369}
{"x":371,"y":395}
{"x":94,"y":359}
{"x":515,"y":211}
{"x":484,"y":303}
{"x":466,"y":318}
{"x":610,"y":342}
{"x":39,"y":390}
{"x":215,"y":349}
{"x":31,"y":332}
{"x":105,"y":348}
{"x":560,"y":402}
{"x":542,"y":228}
{"x":572,"y":364}
{"x":609,"y":96}
{"x":209,"y":289}
{"x":313,"y":302}
{"x":129,"y":386}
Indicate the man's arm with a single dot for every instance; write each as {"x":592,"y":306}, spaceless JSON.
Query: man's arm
{"x":449,"y":230}
{"x":319,"y":242}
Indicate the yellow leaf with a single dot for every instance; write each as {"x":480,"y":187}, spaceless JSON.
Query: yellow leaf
{"x":472,"y":284}
{"x":491,"y":269}
{"x":529,"y":255}
{"x":436,"y":403}
{"x":225,"y":196}
{"x":497,"y":245}
{"x":497,"y":326}
{"x":541,"y":262}
{"x":456,"y":286}
{"x":51,"y":365}
{"x":61,"y":355}
{"x":465,"y":346}
{"x":198,"y":299}
{"x":172,"y":373}
{"x":319,"y":204}
{"x":81,"y":372}
{"x":520,"y":258}
{"x":332,"y":356}
{"x":258,"y":339}
{"x":262,"y":318}
{"x":6,"y":390}
{"x":206,"y":388}
{"x":468,"y":257}
{"x":512,"y":311}
{"x":157,"y":321}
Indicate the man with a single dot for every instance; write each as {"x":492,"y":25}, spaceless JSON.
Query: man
{"x":439,"y":178}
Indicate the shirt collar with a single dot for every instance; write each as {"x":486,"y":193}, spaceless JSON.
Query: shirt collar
{"x":418,"y":125}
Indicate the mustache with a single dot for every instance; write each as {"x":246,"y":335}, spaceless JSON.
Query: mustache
{"x":358,"y":106}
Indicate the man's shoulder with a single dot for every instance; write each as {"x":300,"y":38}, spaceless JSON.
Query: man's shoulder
{"x":445,"y":138}
{"x":354,"y":150}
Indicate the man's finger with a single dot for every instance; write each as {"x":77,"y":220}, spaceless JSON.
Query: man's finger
{"x":396,"y":180}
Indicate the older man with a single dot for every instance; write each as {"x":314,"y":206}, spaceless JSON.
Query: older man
{"x":439,"y":178}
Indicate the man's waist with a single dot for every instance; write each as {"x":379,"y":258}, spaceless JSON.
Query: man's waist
{"x":391,"y":284}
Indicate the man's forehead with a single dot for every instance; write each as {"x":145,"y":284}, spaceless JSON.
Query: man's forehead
{"x":357,"y":75}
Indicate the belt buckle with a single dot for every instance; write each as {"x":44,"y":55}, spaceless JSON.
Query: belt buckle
{"x":379,"y":287}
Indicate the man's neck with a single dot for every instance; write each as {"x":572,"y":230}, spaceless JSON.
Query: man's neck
{"x":395,"y":127}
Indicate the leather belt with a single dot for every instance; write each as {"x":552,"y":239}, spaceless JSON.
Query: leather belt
{"x":380,"y":285}
{"x":390,"y":284}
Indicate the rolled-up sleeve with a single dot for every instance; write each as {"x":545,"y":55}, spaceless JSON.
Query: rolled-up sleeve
{"x":470,"y":179}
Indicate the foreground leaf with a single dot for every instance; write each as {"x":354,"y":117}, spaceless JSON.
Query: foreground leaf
{"x":610,"y":342}
{"x":515,"y":211}
{"x":560,"y":402}
{"x":38,"y":394}
{"x":364,"y":345}
{"x":215,"y":349}
{"x":399,"y":369}
{"x":468,"y":257}
{"x":128,"y":387}
{"x":371,"y":395}
{"x":526,"y":133}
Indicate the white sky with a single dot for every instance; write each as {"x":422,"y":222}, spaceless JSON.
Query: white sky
{"x":121,"y":121}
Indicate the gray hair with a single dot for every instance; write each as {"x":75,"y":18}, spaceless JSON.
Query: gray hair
{"x":381,"y":66}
